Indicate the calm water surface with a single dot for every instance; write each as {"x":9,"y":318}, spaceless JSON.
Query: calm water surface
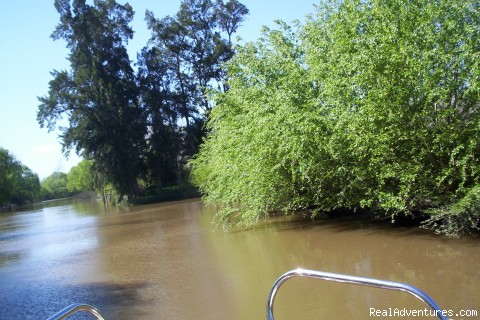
{"x":166,"y":261}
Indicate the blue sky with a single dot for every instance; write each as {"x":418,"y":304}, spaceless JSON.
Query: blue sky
{"x":28,"y":55}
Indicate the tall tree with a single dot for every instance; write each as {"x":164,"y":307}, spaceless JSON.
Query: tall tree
{"x":155,"y":77}
{"x":230,"y":15}
{"x":99,"y":94}
{"x":181,"y":64}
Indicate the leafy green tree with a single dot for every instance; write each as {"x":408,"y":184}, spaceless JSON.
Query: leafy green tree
{"x":400,"y":81}
{"x":98,"y":95}
{"x":18,"y":184}
{"x":80,"y":178}
{"x":264,"y":132}
{"x":371,"y":104}
{"x":27,"y":187}
{"x":8,"y":169}
{"x":54,"y":186}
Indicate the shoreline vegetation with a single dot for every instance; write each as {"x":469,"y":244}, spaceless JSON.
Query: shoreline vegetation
{"x":182,"y":191}
{"x":369,"y":106}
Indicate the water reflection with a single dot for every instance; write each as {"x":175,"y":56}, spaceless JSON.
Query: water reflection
{"x":7,"y":257}
{"x":166,"y":261}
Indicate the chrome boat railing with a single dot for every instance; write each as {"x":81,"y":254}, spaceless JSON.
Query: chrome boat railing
{"x":382,"y":284}
{"x":363,"y":281}
{"x":77,"y":307}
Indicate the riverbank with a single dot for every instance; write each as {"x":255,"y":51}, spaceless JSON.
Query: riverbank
{"x":7,"y":208}
{"x":171,"y":193}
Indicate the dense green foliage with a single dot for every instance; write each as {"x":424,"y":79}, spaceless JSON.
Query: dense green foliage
{"x":141,"y":126}
{"x":79,"y":178}
{"x":55,"y":186}
{"x":61,"y":185}
{"x":458,"y":218}
{"x":18,"y":184}
{"x":371,"y":104}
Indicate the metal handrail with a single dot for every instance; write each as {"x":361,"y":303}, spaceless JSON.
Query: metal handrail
{"x":382,"y":284}
{"x":77,"y":307}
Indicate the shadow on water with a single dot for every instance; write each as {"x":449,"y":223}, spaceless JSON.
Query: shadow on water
{"x":116,"y":301}
{"x":346,"y":224}
{"x":9,"y":257}
{"x":42,"y":300}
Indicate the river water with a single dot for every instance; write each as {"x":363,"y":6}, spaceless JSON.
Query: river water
{"x":167,"y":261}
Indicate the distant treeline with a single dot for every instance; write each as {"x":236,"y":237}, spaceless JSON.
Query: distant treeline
{"x":62,"y":185}
{"x":19,"y":185}
{"x":371,"y":105}
{"x":138,"y":127}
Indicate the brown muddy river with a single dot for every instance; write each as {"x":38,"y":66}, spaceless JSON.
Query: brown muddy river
{"x":167,"y":261}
